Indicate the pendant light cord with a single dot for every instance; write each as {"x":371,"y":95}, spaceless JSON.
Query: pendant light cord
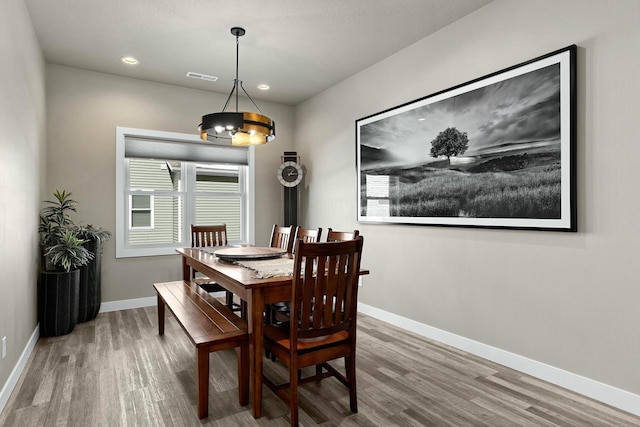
{"x":237,"y":81}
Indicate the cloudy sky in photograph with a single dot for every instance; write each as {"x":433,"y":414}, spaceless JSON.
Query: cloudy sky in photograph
{"x":521,"y":109}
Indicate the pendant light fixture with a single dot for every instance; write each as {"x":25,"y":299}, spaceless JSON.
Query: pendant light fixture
{"x":241,"y":128}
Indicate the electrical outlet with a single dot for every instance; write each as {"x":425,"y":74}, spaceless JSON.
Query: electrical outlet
{"x":4,"y":347}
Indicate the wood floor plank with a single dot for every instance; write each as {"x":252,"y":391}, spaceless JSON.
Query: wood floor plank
{"x":570,"y":399}
{"x":117,"y":371}
{"x":514,"y":414}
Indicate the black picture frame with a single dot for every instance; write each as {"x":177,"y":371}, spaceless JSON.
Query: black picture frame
{"x":498,"y":152}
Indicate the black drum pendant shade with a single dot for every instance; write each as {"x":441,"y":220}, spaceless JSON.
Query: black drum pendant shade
{"x":241,"y":128}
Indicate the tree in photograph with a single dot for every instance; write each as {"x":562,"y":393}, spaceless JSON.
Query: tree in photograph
{"x":449,"y":142}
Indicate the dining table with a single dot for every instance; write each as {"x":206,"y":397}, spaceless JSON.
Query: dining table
{"x":254,"y":289}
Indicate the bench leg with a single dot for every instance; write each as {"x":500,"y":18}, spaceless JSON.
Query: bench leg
{"x":160,"y":315}
{"x":202,"y":377}
{"x":243,"y":373}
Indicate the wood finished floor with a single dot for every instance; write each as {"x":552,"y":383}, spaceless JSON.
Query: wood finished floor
{"x":117,"y":371}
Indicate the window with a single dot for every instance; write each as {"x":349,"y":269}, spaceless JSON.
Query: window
{"x":141,"y":211}
{"x":218,"y":197}
{"x":167,"y":181}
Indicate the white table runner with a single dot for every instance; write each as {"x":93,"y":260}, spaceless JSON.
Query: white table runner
{"x":276,"y":267}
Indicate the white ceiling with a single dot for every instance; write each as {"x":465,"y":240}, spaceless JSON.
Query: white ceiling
{"x":298,"y":47}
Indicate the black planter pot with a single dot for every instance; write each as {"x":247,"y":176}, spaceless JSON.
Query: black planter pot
{"x":58,"y":302}
{"x":90,"y":291}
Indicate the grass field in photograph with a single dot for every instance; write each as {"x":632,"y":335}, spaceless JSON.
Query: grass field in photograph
{"x":524,"y":185}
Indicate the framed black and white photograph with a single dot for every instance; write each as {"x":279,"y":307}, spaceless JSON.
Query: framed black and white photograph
{"x":498,"y":151}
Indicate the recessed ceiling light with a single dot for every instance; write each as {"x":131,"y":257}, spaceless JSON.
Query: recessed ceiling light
{"x":263,"y":86}
{"x":129,"y":60}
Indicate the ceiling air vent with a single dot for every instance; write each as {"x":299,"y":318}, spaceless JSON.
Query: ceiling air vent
{"x":201,"y":76}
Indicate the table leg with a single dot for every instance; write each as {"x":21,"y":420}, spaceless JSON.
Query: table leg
{"x":255,"y":308}
{"x":160,"y":315}
{"x":186,"y":270}
{"x":243,"y":373}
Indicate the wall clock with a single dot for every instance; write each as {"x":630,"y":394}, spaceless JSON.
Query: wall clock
{"x":290,"y":174}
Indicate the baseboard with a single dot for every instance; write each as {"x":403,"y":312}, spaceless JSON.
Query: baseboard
{"x":587,"y":387}
{"x":127,"y":304}
{"x":17,"y":370}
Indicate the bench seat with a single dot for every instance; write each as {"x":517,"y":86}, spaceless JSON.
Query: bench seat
{"x":210,"y":326}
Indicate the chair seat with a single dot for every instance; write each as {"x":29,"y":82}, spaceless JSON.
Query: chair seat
{"x":212,"y":287}
{"x":208,"y":285}
{"x":280,"y":313}
{"x":280,"y":335}
{"x":282,"y":306}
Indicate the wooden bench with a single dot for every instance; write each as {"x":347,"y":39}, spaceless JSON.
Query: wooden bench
{"x":210,"y":326}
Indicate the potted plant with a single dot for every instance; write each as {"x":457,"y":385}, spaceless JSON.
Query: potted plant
{"x":60,"y":284}
{"x":63,"y":253}
{"x":90,"y":296}
{"x":54,"y":220}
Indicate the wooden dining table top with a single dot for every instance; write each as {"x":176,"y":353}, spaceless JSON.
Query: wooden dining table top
{"x":239,"y":274}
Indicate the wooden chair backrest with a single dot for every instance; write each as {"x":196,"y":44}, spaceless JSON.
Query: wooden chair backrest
{"x":325,"y":289}
{"x":208,"y":235}
{"x":282,"y":237}
{"x":339,"y":236}
{"x":308,"y":235}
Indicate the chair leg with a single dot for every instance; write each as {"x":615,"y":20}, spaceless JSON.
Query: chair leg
{"x":350,"y":368}
{"x":268,"y":314}
{"x":229,"y":300}
{"x":243,"y":309}
{"x":293,"y":392}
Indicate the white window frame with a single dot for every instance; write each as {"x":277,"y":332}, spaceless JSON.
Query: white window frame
{"x":123,"y":250}
{"x":132,"y":210}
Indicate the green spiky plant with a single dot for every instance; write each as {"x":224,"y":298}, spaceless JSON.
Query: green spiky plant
{"x":61,"y":242}
{"x":89,"y":232}
{"x":68,"y":253}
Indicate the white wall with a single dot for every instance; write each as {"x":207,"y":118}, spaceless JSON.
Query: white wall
{"x":84,"y":109}
{"x":22,"y":170}
{"x":569,"y":300}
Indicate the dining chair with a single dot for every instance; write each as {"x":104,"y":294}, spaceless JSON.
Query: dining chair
{"x":282,"y":237}
{"x":324,"y":299}
{"x":279,"y":311}
{"x":208,"y":236}
{"x":339,"y":236}
{"x":308,"y":235}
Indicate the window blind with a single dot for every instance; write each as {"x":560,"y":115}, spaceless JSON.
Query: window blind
{"x":206,"y":152}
